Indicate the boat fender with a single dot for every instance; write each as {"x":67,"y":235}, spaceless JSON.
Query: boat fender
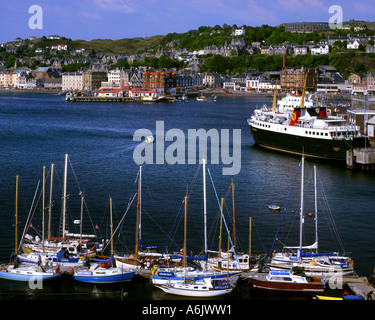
{"x":154,"y":270}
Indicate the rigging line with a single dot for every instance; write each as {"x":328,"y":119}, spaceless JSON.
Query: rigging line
{"x":330,"y":218}
{"x":130,"y":201}
{"x":290,"y":193}
{"x":178,"y":217}
{"x":225,"y":223}
{"x":180,"y":210}
{"x":28,"y":219}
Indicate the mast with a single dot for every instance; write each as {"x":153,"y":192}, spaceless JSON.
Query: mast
{"x":185,"y":231}
{"x":50,"y":202}
{"x":316,"y":211}
{"x":110,"y":211}
{"x":249,"y":242}
{"x":301,"y":213}
{"x":64,"y":195}
{"x":16,"y":217}
{"x":221,"y":224}
{"x":138,"y":225}
{"x":43,"y":204}
{"x":234,"y":218}
{"x":80,"y":227}
{"x":204,"y":209}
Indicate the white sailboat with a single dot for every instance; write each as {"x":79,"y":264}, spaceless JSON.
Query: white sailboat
{"x":196,"y":287}
{"x":18,"y":272}
{"x":308,"y":258}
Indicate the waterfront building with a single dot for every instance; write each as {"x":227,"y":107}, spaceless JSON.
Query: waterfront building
{"x":252,"y":83}
{"x":72,"y":81}
{"x":163,"y":81}
{"x":212,"y":80}
{"x":12,"y":79}
{"x":143,"y":92}
{"x":92,"y":79}
{"x":293,"y":79}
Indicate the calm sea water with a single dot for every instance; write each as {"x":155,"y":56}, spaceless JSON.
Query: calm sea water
{"x":37,"y":130}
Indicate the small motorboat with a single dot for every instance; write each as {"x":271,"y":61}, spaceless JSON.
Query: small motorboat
{"x":274,"y":207}
{"x":286,"y":280}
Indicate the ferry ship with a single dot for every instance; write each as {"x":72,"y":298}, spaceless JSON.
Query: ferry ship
{"x":296,"y":125}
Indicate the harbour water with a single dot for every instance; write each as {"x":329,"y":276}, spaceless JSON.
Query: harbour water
{"x":37,"y":130}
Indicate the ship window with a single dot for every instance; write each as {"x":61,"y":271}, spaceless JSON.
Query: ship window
{"x":326,"y":133}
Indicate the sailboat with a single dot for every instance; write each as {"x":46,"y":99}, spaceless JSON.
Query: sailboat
{"x":142,"y":253}
{"x":75,"y":243}
{"x":104,"y":271}
{"x":167,"y":275}
{"x":223,"y":260}
{"x":307,"y":258}
{"x":18,"y":272}
{"x":195,"y":287}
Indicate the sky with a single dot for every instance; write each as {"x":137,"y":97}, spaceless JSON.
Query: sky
{"x":117,"y":19}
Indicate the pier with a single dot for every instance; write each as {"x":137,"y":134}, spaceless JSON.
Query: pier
{"x":361,"y":159}
{"x":117,"y":99}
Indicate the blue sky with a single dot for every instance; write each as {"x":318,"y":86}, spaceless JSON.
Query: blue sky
{"x":116,"y":19}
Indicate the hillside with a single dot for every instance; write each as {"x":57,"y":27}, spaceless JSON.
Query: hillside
{"x":124,"y":46}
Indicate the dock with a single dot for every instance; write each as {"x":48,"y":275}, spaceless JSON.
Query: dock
{"x":117,"y":99}
{"x":361,"y":158}
{"x":359,"y":286}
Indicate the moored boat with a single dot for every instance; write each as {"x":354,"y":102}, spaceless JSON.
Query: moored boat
{"x":286,"y":281}
{"x":206,"y":287}
{"x":306,"y":130}
{"x":28,"y":273}
{"x":105,"y":271}
{"x":308,"y":258}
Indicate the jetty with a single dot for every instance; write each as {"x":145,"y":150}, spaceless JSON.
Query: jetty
{"x":118,"y":99}
{"x":361,"y":159}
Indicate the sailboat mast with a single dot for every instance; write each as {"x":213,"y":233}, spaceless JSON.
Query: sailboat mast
{"x":249,"y":242}
{"x":50,"y":202}
{"x":185,"y":231}
{"x":138,"y":225}
{"x":16,"y":217}
{"x":316,"y":211}
{"x":64,"y":195}
{"x":301,"y":213}
{"x":205,"y":209}
{"x":43,"y":204}
{"x":234,"y":217}
{"x":80,"y":223}
{"x":110,"y":211}
{"x":221,"y":224}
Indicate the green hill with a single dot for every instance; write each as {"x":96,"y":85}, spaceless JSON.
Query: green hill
{"x":124,"y":46}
